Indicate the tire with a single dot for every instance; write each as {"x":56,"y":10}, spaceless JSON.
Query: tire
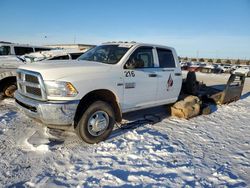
{"x":1,"y":96}
{"x":90,"y":127}
{"x":9,"y":89}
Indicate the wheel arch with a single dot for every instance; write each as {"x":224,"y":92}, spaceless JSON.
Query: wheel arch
{"x":5,"y":80}
{"x":102,"y":95}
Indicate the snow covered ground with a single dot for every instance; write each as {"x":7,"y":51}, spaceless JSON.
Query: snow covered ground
{"x":206,"y":151}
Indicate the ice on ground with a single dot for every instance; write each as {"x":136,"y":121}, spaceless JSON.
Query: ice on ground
{"x":206,"y":151}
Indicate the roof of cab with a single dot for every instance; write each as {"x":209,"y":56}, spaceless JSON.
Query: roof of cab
{"x":133,"y":43}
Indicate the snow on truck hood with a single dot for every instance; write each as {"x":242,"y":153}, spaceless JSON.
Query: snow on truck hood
{"x":53,"y":70}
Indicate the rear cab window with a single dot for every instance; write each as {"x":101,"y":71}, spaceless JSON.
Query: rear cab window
{"x":42,"y":49}
{"x":22,"y":50}
{"x":166,"y":58}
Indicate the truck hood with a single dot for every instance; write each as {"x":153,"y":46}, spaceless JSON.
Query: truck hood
{"x":54,"y":70}
{"x":9,"y":63}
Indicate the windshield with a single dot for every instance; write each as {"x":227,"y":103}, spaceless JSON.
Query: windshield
{"x":4,"y":50}
{"x":109,"y":54}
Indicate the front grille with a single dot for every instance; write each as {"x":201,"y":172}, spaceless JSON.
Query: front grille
{"x":19,"y":76}
{"x":30,"y":84}
{"x":31,"y":78}
{"x":34,"y":91}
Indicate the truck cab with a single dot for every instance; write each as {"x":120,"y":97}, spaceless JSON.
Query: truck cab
{"x":94,"y":91}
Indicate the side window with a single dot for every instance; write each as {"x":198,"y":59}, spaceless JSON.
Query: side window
{"x":22,"y":50}
{"x":4,"y":50}
{"x":142,"y":57}
{"x":166,"y":58}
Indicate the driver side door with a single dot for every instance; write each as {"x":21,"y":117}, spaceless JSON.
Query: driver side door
{"x":140,"y":82}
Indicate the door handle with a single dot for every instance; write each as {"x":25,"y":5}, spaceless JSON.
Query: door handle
{"x":177,"y":74}
{"x":152,"y":75}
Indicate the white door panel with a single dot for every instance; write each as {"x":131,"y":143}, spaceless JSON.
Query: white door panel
{"x":140,"y":89}
{"x":170,"y":79}
{"x":169,"y":84}
{"x":140,"y":79}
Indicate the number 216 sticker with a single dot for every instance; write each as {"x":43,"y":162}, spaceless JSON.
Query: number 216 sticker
{"x":129,"y":73}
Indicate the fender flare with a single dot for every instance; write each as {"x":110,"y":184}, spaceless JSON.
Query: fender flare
{"x":7,"y":74}
{"x":100,"y":94}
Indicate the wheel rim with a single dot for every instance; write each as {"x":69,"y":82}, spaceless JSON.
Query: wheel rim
{"x":98,"y":123}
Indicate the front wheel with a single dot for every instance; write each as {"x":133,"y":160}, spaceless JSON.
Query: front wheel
{"x":9,"y":90}
{"x":96,"y":123}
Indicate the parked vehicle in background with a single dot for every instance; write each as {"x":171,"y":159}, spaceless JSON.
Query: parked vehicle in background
{"x":244,"y":70}
{"x":8,"y":66}
{"x":94,"y":91}
{"x":185,"y":65}
{"x":207,"y":69}
{"x":195,"y":66}
{"x":234,"y":67}
{"x":12,"y":49}
{"x":226,"y":68}
{"x":58,"y":54}
{"x":216,"y":69}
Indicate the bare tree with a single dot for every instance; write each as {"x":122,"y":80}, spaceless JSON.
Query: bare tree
{"x":237,"y":62}
{"x":228,"y":61}
{"x":218,"y":61}
{"x":201,"y":60}
{"x":210,"y":61}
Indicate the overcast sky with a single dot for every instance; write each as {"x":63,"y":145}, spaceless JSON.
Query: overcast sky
{"x":214,"y":28}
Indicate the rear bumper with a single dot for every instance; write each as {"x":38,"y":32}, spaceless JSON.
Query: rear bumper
{"x":58,"y":113}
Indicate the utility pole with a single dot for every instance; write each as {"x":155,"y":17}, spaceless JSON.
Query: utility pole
{"x":45,"y":39}
{"x":197,"y":55}
{"x":216,"y":54}
{"x":74,"y":39}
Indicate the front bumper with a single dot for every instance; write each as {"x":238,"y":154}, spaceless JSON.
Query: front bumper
{"x":59,"y":113}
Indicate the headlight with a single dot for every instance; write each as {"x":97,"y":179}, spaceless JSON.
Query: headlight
{"x":60,"y":89}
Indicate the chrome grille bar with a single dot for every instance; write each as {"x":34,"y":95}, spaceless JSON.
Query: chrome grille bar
{"x":31,"y":84}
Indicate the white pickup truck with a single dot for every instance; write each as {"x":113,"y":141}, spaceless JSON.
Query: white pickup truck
{"x":93,"y":92}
